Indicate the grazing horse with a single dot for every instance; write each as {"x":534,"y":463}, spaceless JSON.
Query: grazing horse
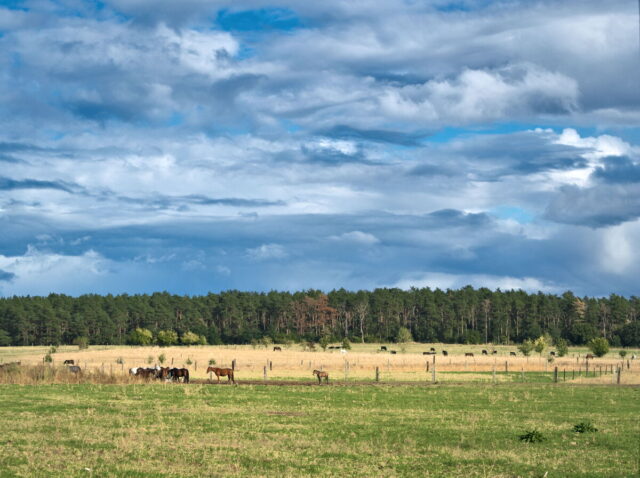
{"x":393,"y":352}
{"x":277,"y":349}
{"x":223,"y":372}
{"x":512,"y":353}
{"x":145,"y":372}
{"x":494,"y":352}
{"x":468,"y":354}
{"x":432,"y":349}
{"x":74,"y":369}
{"x":163,"y":373}
{"x":553,"y":354}
{"x":589,"y":356}
{"x":320,"y":374}
{"x":445,"y":353}
{"x":484,"y":352}
{"x":176,"y":373}
{"x":383,"y":348}
{"x":68,"y":362}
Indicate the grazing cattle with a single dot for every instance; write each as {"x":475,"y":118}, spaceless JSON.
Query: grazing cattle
{"x":468,"y":354}
{"x":68,"y":362}
{"x":445,"y":353}
{"x":432,"y":349}
{"x":589,"y":356}
{"x":393,"y":352}
{"x":223,"y":372}
{"x":277,"y":349}
{"x":484,"y":352}
{"x":512,"y":353}
{"x":320,"y":374}
{"x":494,"y":352}
{"x":553,"y":354}
{"x":428,"y":353}
{"x":74,"y":369}
{"x":176,"y":373}
{"x":383,"y":348}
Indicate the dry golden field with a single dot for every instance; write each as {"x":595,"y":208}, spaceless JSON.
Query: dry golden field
{"x":357,"y":364}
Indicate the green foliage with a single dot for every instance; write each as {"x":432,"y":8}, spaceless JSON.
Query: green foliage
{"x":599,"y":346}
{"x":162,"y":358}
{"x":324,"y":342}
{"x":81,"y":342}
{"x":166,"y":338}
{"x":254,"y":343}
{"x":188,"y":362}
{"x":203,"y":340}
{"x":53,"y":349}
{"x":540,"y":344}
{"x":189,"y":338}
{"x":346,"y":344}
{"x":532,"y":436}
{"x":472,"y":337}
{"x":119,"y":360}
{"x":584,"y":427}
{"x":150,"y":359}
{"x":48,"y":358}
{"x":266,"y":341}
{"x":526,"y":347}
{"x":140,"y":336}
{"x":309,"y":345}
{"x":562,"y":347}
{"x":5,"y":339}
{"x":622,"y":353}
{"x":212,"y":361}
{"x":403,"y":336}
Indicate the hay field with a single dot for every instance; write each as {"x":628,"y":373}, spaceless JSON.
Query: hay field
{"x":359,"y":363}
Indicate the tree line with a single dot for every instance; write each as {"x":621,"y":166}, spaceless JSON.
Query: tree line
{"x":466,"y":315}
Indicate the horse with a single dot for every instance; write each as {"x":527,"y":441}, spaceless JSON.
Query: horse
{"x":74,"y":369}
{"x":445,"y":353}
{"x":223,"y":372}
{"x":553,"y":354}
{"x":163,"y":373}
{"x":512,"y":353}
{"x":277,"y":349}
{"x":68,"y":362}
{"x":383,"y":348}
{"x":484,"y":352}
{"x":320,"y":374}
{"x":145,"y":372}
{"x":468,"y":354}
{"x":589,"y":356}
{"x":176,"y":373}
{"x":494,"y":352}
{"x":432,"y":349}
{"x":393,"y":352}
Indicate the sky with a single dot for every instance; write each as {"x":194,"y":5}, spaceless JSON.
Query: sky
{"x":203,"y":145}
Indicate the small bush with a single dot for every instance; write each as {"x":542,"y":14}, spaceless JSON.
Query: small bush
{"x":562,"y":347}
{"x":162,"y":358}
{"x":584,"y":427}
{"x":53,"y":349}
{"x":212,"y":361}
{"x":120,"y":360}
{"x":623,"y":353}
{"x":188,"y":362}
{"x":599,"y":346}
{"x":346,"y":344}
{"x":526,"y":347}
{"x":81,"y":342}
{"x":532,"y":436}
{"x":48,"y":358}
{"x":150,"y":359}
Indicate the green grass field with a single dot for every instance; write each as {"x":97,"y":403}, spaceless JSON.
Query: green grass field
{"x":162,"y":430}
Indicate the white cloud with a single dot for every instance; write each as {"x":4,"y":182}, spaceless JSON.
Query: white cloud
{"x":456,"y":281}
{"x":357,"y":237}
{"x":267,"y":251}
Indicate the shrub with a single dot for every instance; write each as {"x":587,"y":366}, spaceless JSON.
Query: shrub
{"x":254,"y":343}
{"x":540,"y":344}
{"x":81,"y":342}
{"x":584,"y":427}
{"x":532,"y":436}
{"x":346,"y":344}
{"x":526,"y":347}
{"x":188,"y":362}
{"x":212,"y":361}
{"x":309,"y":345}
{"x":266,"y":341}
{"x":167,"y":337}
{"x":562,"y":347}
{"x":140,"y":336}
{"x":53,"y":349}
{"x":120,"y":360}
{"x":203,"y":340}
{"x":623,"y":353}
{"x":189,"y":338}
{"x":324,"y":342}
{"x":48,"y":358}
{"x":150,"y":359}
{"x":599,"y":346}
{"x":162,"y":358}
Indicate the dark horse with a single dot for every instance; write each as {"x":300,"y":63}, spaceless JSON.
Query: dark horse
{"x":68,"y":362}
{"x":222,"y":372}
{"x":277,"y":349}
{"x":176,"y":373}
{"x":320,"y":374}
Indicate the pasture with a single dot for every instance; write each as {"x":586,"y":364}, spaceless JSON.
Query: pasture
{"x":175,"y":430}
{"x":293,"y":363}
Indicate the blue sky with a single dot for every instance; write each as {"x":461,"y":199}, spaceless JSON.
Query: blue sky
{"x":200,"y":146}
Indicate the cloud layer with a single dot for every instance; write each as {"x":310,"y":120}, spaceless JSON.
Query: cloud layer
{"x":318,"y":144}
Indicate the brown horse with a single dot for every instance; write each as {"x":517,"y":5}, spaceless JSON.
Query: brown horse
{"x":320,"y":374}
{"x":176,"y":373}
{"x":222,"y":372}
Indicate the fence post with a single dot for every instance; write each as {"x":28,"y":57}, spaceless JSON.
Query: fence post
{"x":427,"y":366}
{"x":233,"y":365}
{"x":506,"y":366}
{"x":555,"y":374}
{"x":433,"y":373}
{"x":586,"y":374}
{"x":377,"y":374}
{"x":619,"y":373}
{"x":522,"y":372}
{"x":564,"y":375}
{"x":265,"y":372}
{"x":270,"y":365}
{"x":494,"y":373}
{"x":195,"y":365}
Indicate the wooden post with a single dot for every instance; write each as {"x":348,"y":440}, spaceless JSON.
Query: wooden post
{"x":555,"y":374}
{"x":264,"y":371}
{"x":122,"y":367}
{"x":171,"y":360}
{"x":564,"y":375}
{"x":586,"y":368}
{"x":270,"y":365}
{"x":111,"y":368}
{"x":233,"y":365}
{"x":494,"y":373}
{"x":433,"y":373}
{"x":573,"y":373}
{"x":377,"y":374}
{"x":619,"y":373}
{"x":427,"y":366}
{"x":434,"y":360}
{"x":195,"y":365}
{"x":506,"y":366}
{"x":522,"y":372}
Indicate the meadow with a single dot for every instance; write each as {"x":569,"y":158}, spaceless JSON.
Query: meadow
{"x":173,"y":430}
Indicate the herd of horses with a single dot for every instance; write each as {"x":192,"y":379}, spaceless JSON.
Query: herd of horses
{"x":161,"y":373}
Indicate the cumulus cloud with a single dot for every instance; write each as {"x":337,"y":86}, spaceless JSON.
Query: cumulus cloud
{"x":452,"y":281}
{"x":267,"y":251}
{"x":357,"y":237}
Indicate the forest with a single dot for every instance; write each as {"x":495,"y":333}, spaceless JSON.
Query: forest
{"x":466,"y":315}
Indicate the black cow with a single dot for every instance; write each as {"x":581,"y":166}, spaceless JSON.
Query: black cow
{"x":484,"y":352}
{"x":383,"y":348}
{"x":68,"y":362}
{"x":277,"y":349}
{"x":468,"y":354}
{"x":432,"y":349}
{"x":444,"y":352}
{"x":393,"y":352}
{"x":553,"y":354}
{"x":512,"y":353}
